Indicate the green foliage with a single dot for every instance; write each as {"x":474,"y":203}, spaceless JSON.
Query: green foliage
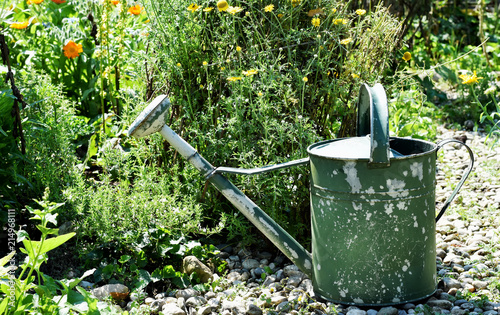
{"x":32,"y":290}
{"x":257,"y":87}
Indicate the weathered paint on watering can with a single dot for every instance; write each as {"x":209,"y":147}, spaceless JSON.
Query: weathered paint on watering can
{"x":372,"y":207}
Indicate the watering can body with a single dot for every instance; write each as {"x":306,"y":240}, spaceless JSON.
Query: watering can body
{"x":372,"y":207}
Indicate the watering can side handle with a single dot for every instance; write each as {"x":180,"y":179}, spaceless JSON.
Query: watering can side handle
{"x":259,"y":170}
{"x":464,"y":176}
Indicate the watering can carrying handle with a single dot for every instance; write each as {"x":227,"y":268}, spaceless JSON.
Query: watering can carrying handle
{"x":464,"y":176}
{"x":373,"y":119}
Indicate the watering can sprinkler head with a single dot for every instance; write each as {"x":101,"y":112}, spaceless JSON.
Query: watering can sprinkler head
{"x":152,"y":118}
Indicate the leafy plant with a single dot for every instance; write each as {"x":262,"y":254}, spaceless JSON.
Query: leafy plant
{"x":49,"y":295}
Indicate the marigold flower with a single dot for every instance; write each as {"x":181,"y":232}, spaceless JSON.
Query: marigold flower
{"x":360,"y":12}
{"x":208,"y":9}
{"x":316,"y":22}
{"x":339,"y":21}
{"x":59,"y":1}
{"x":178,"y":64}
{"x":193,"y":7}
{"x":304,"y":79}
{"x":269,"y":8}
{"x":346,"y":41}
{"x":234,"y":10}
{"x":20,"y":25}
{"x":72,"y":49}
{"x":115,"y":2}
{"x":250,"y":72}
{"x":34,"y":1}
{"x":238,"y":48}
{"x":407,"y":56}
{"x":222,"y":5}
{"x":234,"y":79}
{"x":205,"y":63}
{"x":469,"y":79}
{"x":135,"y":10}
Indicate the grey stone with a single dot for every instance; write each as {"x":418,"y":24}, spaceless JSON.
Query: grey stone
{"x":192,"y":264}
{"x":478,"y":284}
{"x":371,"y":312}
{"x":449,"y":283}
{"x":186,"y":293}
{"x":253,"y":309}
{"x":250,"y":263}
{"x":117,"y":291}
{"x":388,"y":311}
{"x":205,"y":310}
{"x":196,"y":301}
{"x":458,"y":311}
{"x":356,"y":312}
{"x":258,"y":272}
{"x":409,"y":306}
{"x":467,"y":306}
{"x":283,"y":306}
{"x":444,"y":304}
{"x":236,"y":307}
{"x":490,"y":312}
{"x":172,"y":309}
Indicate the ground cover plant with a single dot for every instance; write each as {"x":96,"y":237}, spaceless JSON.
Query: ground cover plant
{"x":251,"y":83}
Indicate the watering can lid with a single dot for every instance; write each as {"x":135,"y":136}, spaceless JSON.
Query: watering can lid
{"x":347,"y":148}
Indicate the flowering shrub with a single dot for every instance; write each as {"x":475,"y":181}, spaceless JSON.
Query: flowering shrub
{"x":255,"y":83}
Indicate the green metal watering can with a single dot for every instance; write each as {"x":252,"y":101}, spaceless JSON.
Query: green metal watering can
{"x":372,"y":206}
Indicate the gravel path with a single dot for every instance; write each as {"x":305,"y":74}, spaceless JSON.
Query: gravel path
{"x":468,"y":258}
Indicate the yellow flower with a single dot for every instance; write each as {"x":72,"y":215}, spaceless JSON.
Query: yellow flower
{"x":222,"y":68}
{"x":304,"y":79}
{"x":135,"y":9}
{"x":407,"y":56}
{"x":334,"y":10}
{"x":315,"y":21}
{"x":295,"y":3}
{"x":20,"y":25}
{"x":339,"y":21}
{"x":346,"y":41}
{"x":34,"y":1}
{"x":208,"y":9}
{"x":238,"y":48}
{"x":469,"y":79}
{"x":205,"y":63}
{"x":360,"y":12}
{"x":269,"y":8}
{"x":201,"y":86}
{"x":234,"y":10}
{"x":354,"y":75}
{"x":72,"y":49}
{"x":260,"y":94}
{"x":193,"y":7}
{"x":178,"y":64}
{"x":250,"y":72}
{"x":280,"y":15}
{"x":222,"y":5}
{"x":234,"y":79}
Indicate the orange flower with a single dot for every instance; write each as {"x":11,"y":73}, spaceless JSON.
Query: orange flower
{"x":135,"y":10}
{"x":34,"y":1}
{"x":59,"y":1}
{"x":72,"y":49}
{"x":115,"y":2}
{"x":20,"y":25}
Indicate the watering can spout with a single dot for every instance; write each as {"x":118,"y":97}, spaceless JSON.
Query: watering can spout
{"x":152,"y":120}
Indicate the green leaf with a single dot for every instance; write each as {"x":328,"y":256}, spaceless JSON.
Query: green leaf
{"x":124,"y":259}
{"x":6,"y":259}
{"x":46,"y":230}
{"x":164,"y":273}
{"x":181,"y":281}
{"x":48,"y":244}
{"x":3,"y":305}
